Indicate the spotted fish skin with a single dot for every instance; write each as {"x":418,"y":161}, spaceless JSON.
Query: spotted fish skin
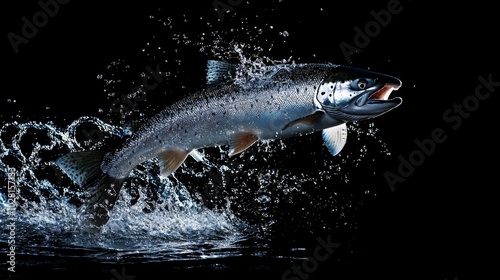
{"x":282,"y":101}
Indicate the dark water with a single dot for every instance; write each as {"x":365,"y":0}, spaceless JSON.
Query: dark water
{"x":283,"y":209}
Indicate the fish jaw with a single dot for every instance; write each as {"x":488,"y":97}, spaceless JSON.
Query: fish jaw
{"x":377,"y":102}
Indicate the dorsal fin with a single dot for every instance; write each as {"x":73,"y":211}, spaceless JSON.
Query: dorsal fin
{"x":220,"y":72}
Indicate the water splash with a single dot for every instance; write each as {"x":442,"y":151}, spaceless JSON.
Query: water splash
{"x":169,"y":218}
{"x":207,"y":209}
{"x":48,"y":212}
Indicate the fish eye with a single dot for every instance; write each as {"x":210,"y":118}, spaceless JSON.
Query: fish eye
{"x":362,"y":83}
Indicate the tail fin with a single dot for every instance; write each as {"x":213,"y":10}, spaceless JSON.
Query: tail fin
{"x":101,"y":190}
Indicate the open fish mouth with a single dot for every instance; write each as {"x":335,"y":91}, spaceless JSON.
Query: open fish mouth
{"x":378,"y":96}
{"x":382,"y":95}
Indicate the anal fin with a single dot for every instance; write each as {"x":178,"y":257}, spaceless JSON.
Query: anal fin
{"x":335,"y":138}
{"x":170,"y":160}
{"x":241,"y":141}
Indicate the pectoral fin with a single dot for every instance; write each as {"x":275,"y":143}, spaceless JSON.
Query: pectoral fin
{"x":335,"y":138}
{"x":170,"y":160}
{"x":241,"y":141}
{"x":308,"y":120}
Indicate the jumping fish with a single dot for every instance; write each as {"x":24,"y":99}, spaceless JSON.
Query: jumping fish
{"x":282,"y":101}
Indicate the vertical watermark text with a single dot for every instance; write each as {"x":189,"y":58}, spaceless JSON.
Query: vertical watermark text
{"x":10,"y":225}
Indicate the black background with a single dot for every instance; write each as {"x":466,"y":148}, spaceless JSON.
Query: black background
{"x":435,"y":225}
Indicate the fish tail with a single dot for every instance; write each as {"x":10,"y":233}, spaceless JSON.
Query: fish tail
{"x":101,"y":190}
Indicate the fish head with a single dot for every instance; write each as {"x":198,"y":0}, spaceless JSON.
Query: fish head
{"x":352,"y":94}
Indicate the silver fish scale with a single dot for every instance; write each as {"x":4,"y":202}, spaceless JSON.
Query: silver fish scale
{"x":292,"y":101}
{"x":210,"y":117}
